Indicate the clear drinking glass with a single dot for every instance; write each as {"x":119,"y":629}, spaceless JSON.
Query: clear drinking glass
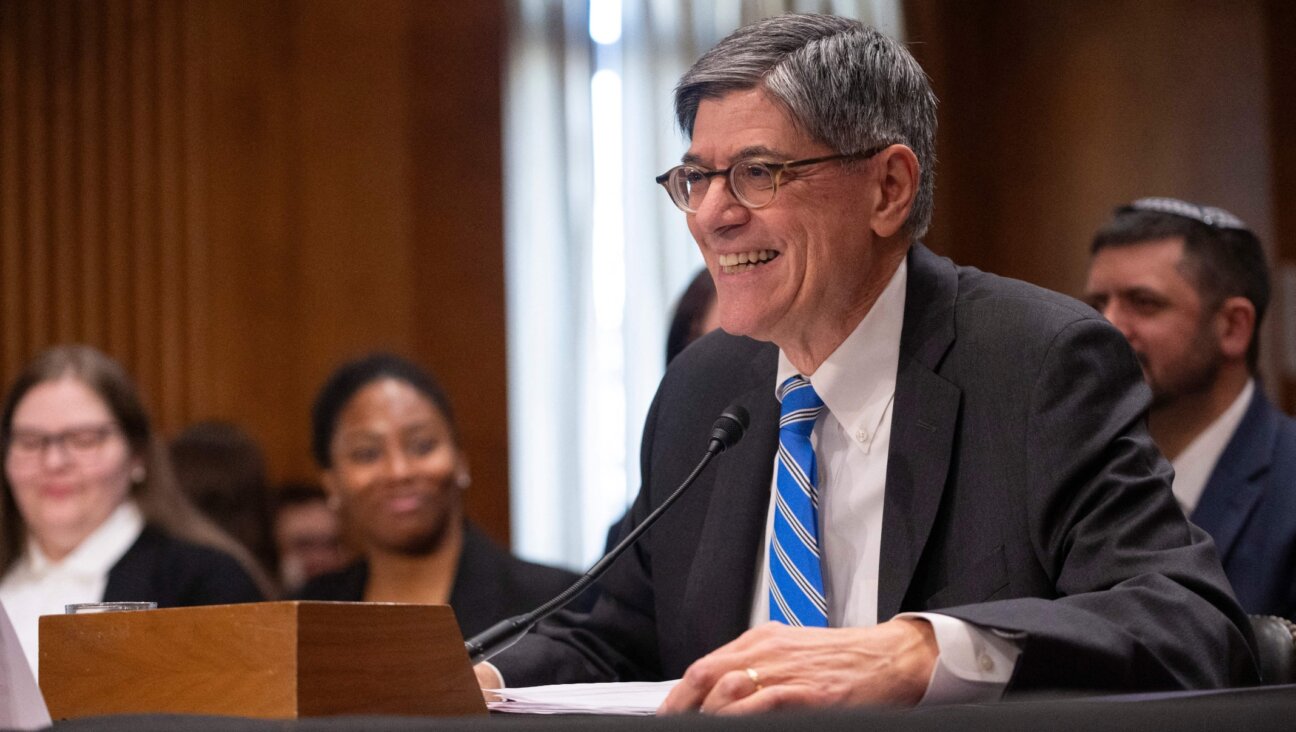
{"x":80,"y":608}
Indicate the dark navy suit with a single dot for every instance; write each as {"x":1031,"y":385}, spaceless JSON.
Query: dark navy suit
{"x":1249,"y":508}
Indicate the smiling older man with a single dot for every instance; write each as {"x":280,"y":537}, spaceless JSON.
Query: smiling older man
{"x":947,"y":489}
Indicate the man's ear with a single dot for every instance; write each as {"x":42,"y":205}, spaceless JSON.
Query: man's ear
{"x":897,"y":177}
{"x":1235,"y":324}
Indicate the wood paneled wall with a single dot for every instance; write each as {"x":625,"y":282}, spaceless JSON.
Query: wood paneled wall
{"x":231,"y":197}
{"x":96,"y":140}
{"x":1054,"y":113}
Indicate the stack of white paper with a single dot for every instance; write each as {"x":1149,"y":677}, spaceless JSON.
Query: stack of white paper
{"x":21,"y":703}
{"x":641,"y":698}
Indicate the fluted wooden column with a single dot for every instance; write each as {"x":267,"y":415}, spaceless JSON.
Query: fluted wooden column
{"x":233,"y":196}
{"x":98,"y":135}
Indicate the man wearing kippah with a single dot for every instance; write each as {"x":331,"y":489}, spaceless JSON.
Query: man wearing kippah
{"x":947,"y":492}
{"x":1187,"y":285}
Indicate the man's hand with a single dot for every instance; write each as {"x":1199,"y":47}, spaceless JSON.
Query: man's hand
{"x":488,"y":677}
{"x":774,"y":666}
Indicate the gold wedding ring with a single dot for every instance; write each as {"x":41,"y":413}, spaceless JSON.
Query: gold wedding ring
{"x":755,"y":678}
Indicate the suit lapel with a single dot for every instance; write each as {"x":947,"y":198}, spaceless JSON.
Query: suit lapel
{"x":1237,"y":482}
{"x":131,"y":578}
{"x":722,"y":578}
{"x":922,"y":426}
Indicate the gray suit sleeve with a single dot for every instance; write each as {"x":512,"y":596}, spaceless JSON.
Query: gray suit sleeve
{"x":1142,"y":602}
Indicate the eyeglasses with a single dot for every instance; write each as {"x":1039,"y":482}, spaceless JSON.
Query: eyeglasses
{"x":82,"y":444}
{"x":753,"y":182}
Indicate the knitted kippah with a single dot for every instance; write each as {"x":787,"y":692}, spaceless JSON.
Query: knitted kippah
{"x":1209,"y":215}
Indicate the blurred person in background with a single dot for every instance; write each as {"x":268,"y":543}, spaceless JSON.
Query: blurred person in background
{"x":386,"y":442}
{"x":695,"y":315}
{"x":307,"y":535}
{"x":220,"y":467}
{"x":1187,"y":286}
{"x":89,"y":506}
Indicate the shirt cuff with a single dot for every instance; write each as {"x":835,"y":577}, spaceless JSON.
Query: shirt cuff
{"x":974,"y":663}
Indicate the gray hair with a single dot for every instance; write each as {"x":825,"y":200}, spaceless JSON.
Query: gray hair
{"x":843,"y":83}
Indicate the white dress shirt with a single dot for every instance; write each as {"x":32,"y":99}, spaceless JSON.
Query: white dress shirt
{"x":36,"y":586}
{"x":852,"y":438}
{"x":1193,"y":466}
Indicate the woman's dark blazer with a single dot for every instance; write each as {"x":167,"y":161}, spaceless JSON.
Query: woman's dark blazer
{"x":490,"y":584}
{"x":176,"y":573}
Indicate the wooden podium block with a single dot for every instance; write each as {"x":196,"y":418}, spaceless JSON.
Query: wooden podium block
{"x":270,"y":660}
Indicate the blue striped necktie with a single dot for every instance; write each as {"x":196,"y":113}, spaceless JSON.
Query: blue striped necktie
{"x":796,"y":579}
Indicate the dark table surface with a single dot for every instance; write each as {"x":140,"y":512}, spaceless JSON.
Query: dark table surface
{"x":1264,"y":708}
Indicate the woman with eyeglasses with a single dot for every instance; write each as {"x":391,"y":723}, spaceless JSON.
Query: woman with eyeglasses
{"x":89,"y":509}
{"x":388,"y":448}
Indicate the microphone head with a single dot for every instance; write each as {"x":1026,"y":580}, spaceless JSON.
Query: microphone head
{"x":729,"y":428}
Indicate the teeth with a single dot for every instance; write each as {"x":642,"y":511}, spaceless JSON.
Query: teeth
{"x":734,"y":260}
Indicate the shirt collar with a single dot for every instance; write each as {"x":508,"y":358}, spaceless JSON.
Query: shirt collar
{"x":1194,"y":465}
{"x":98,"y":552}
{"x":857,"y":380}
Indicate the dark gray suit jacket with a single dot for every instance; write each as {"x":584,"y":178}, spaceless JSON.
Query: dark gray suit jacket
{"x":1023,"y":494}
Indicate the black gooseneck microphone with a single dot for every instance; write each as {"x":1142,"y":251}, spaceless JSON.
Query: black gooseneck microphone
{"x":727,"y":430}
